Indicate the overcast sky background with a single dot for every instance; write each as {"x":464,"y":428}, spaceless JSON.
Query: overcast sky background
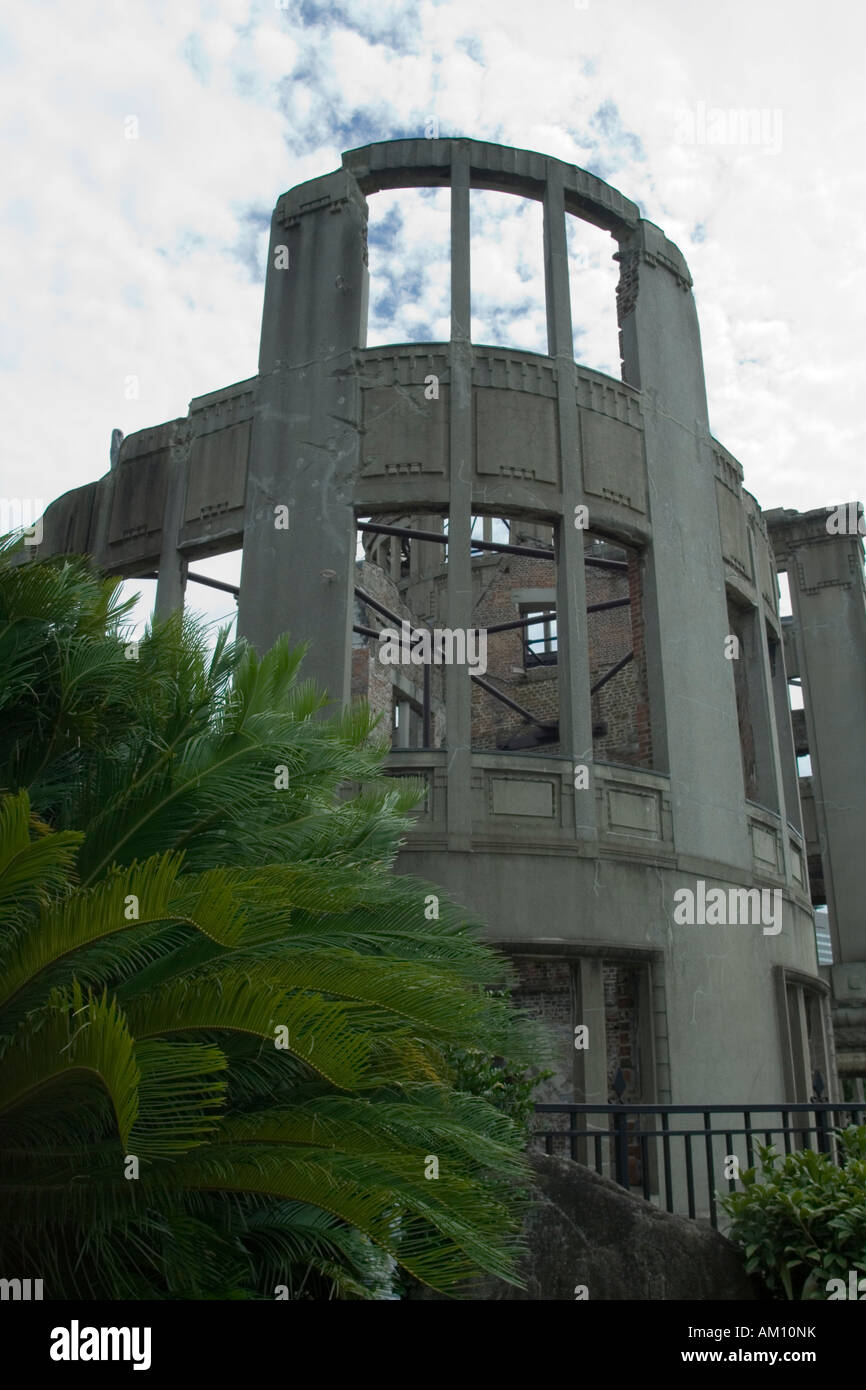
{"x":145,"y":257}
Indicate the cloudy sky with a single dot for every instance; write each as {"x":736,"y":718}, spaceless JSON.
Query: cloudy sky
{"x":146,"y":145}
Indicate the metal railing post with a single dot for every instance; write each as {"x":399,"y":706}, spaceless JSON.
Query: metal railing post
{"x":620,"y":1131}
{"x":660,"y":1122}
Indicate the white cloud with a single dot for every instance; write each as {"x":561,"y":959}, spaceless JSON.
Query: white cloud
{"x":139,"y":257}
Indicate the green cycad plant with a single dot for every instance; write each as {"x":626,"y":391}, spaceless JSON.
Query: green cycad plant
{"x":225,"y":1023}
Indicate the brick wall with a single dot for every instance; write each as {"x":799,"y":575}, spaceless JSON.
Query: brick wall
{"x":622,"y":705}
{"x":621,"y":995}
{"x":372,"y":680}
{"x":621,"y":986}
{"x":546,"y":991}
{"x":494,"y":583}
{"x":620,"y":709}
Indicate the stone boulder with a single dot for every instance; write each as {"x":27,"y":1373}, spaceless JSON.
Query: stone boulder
{"x":585,"y":1230}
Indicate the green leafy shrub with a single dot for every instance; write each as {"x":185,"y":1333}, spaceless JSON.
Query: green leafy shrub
{"x":224,"y":1020}
{"x":510,"y":1088}
{"x":804,"y":1223}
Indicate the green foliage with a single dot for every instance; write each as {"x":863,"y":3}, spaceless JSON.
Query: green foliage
{"x":804,"y":1222}
{"x":490,"y":1078}
{"x":510,"y":1088}
{"x":167,"y":915}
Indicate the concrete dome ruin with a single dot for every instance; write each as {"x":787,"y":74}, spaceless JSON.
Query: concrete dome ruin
{"x":630,"y":737}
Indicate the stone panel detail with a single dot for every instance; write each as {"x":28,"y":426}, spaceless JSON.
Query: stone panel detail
{"x":825,"y":567}
{"x":613,"y":462}
{"x":765,"y":846}
{"x":521,"y":797}
{"x":607,"y":396}
{"x":139,"y":497}
{"x":634,"y":812}
{"x":520,"y":427}
{"x":218,"y":471}
{"x":512,"y":371}
{"x":733,"y":530}
{"x":403,"y":433}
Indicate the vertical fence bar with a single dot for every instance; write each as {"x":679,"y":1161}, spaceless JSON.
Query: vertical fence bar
{"x":822,"y":1130}
{"x":690,"y":1175}
{"x":644,"y":1167}
{"x":666,"y":1149}
{"x":820,"y":1118}
{"x":750,"y":1148}
{"x":711,"y":1183}
{"x":729,"y":1149}
{"x":620,"y":1128}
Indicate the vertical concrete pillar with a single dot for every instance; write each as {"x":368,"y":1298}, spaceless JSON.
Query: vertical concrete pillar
{"x":770,"y":758}
{"x":458,"y":694}
{"x":171,"y":579}
{"x":404,"y":710}
{"x":426,"y":557}
{"x":590,"y":1064}
{"x":658,"y":724}
{"x":575,"y":713}
{"x":661,"y":1036}
{"x":305,"y":444}
{"x":785,"y":738}
{"x":828,"y":598}
{"x":662,"y":357}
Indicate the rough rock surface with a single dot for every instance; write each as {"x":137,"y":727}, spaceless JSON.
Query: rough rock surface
{"x":585,"y":1230}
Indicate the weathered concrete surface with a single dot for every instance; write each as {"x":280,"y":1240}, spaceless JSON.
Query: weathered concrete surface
{"x":584,"y":1230}
{"x":822,"y":553}
{"x":581,"y":870}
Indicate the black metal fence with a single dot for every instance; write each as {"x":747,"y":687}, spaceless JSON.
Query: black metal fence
{"x":651,"y":1148}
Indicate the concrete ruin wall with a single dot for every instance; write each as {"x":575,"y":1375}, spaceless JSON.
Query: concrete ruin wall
{"x":695,"y":778}
{"x":825,"y":649}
